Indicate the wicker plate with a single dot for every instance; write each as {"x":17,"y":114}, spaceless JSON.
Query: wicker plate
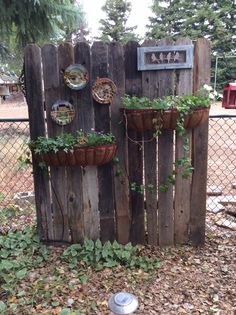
{"x":103,"y":90}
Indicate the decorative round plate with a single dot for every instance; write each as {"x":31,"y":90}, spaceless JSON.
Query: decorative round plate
{"x":62,"y":112}
{"x":103,"y":90}
{"x":76,"y":76}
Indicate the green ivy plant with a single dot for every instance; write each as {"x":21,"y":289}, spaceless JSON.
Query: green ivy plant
{"x":67,"y":141}
{"x":108,"y":255}
{"x":183,"y":105}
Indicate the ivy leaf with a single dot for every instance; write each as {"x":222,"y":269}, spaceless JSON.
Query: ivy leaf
{"x":21,"y":273}
{"x":3,"y":306}
{"x":65,"y":311}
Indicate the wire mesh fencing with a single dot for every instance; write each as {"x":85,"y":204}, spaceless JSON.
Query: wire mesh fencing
{"x":16,"y":180}
{"x":221,"y":190}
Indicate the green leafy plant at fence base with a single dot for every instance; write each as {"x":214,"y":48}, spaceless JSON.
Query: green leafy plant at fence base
{"x":19,"y":252}
{"x":108,"y":255}
{"x":22,"y":255}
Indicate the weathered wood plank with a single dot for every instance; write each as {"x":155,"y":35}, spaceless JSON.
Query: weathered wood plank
{"x":133,"y":86}
{"x":202,"y":67}
{"x":51,"y":94}
{"x":86,"y":123}
{"x":106,"y":204}
{"x":149,"y":89}
{"x":166,"y":86}
{"x":58,"y":174}
{"x":184,"y":85}
{"x":121,"y":185}
{"x":33,"y":82}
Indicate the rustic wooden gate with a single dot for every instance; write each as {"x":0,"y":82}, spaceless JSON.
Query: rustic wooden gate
{"x":94,"y":202}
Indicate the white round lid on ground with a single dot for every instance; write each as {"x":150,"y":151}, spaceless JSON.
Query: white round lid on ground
{"x":123,"y":303}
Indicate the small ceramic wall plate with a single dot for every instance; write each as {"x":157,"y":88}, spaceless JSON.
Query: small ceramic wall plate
{"x":62,"y":112}
{"x":76,"y":76}
{"x":103,"y":90}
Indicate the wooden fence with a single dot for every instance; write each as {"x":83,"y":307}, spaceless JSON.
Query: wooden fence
{"x":94,"y":202}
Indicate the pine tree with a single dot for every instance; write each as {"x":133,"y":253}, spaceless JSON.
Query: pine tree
{"x":215,"y":20}
{"x":114,"y":26}
{"x":35,"y":21}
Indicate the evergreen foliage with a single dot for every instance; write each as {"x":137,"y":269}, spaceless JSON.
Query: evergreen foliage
{"x":215,"y":20}
{"x":31,"y":21}
{"x":114,"y":27}
{"x":35,"y":21}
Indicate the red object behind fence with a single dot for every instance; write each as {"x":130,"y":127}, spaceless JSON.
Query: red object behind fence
{"x":229,"y":96}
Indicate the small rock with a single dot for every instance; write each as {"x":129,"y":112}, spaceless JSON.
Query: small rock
{"x":234,"y":185}
{"x":226,"y":224}
{"x":215,"y":207}
{"x":214,"y":191}
{"x":225,"y":200}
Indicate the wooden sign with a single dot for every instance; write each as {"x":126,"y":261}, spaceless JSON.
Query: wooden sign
{"x":165,"y":57}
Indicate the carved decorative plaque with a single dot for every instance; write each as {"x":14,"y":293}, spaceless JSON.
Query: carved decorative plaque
{"x":165,"y":57}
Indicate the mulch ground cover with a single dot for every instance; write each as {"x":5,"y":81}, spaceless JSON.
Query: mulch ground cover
{"x":188,"y":281}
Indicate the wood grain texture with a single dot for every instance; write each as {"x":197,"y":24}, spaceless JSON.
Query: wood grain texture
{"x":133,"y":86}
{"x":166,"y":86}
{"x":58,"y":174}
{"x":202,"y":67}
{"x":184,"y":86}
{"x":85,"y":122}
{"x":150,"y":81}
{"x":121,"y":185}
{"x":33,"y":82}
{"x":51,"y":95}
{"x":102,"y":112}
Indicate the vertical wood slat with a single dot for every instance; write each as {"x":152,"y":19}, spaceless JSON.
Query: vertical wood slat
{"x":106,"y":204}
{"x":33,"y":82}
{"x":59,"y":174}
{"x":121,"y":185}
{"x":202,"y":67}
{"x":150,"y":90}
{"x":133,"y":86}
{"x":51,"y":93}
{"x":166,"y":86}
{"x":184,"y":78}
{"x":86,"y":123}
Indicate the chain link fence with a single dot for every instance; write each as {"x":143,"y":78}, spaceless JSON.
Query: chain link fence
{"x":221,"y":189}
{"x":16,"y":180}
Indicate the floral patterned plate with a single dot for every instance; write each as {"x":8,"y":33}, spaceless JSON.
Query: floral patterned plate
{"x":76,"y":76}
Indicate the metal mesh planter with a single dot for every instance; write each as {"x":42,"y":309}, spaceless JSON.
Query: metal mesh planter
{"x":150,"y":119}
{"x":80,"y":156}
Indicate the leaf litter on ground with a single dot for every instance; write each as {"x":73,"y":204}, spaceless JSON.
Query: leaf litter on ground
{"x":35,"y":279}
